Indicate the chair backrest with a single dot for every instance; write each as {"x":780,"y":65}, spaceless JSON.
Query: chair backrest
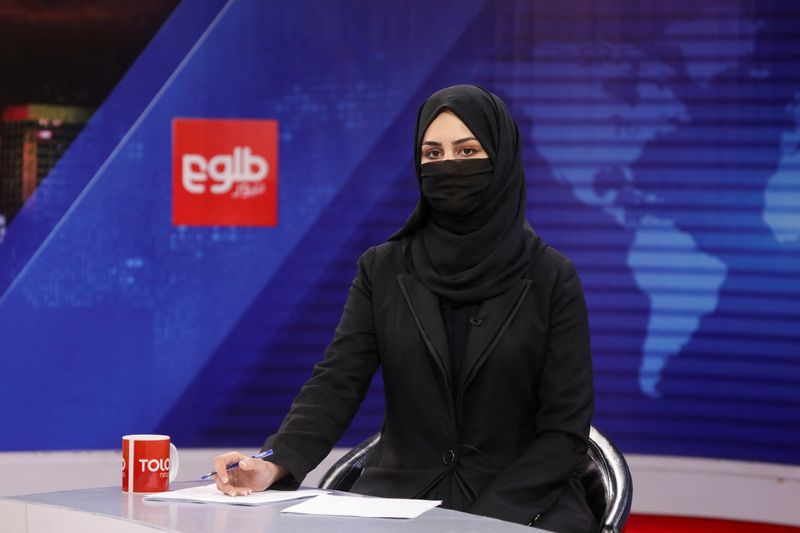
{"x":608,"y":483}
{"x":605,"y":476}
{"x":346,"y":470}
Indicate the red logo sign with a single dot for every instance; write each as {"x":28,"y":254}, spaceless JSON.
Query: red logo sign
{"x":224,"y":172}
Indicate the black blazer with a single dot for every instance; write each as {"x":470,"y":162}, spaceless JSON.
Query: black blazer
{"x":519,"y":425}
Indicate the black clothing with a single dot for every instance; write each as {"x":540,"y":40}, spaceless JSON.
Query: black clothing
{"x":480,"y":247}
{"x":480,"y":330}
{"x":519,"y":425}
{"x":454,"y":190}
{"x":458,"y":321}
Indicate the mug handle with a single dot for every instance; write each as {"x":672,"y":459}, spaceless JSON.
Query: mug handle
{"x":174,"y":462}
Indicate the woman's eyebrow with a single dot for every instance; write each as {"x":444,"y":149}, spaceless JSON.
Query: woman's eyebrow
{"x":457,"y":141}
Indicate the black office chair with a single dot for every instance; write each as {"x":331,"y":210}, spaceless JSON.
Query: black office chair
{"x":606,"y":478}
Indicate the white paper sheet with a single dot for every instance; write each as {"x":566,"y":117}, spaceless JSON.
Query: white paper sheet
{"x":331,"y":505}
{"x":210,"y":494}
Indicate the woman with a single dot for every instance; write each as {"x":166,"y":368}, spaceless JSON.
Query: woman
{"x":481,"y":333}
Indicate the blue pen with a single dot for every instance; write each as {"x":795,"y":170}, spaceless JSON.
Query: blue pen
{"x":231,"y":466}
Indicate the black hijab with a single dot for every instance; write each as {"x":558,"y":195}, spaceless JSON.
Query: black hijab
{"x":482,"y":253}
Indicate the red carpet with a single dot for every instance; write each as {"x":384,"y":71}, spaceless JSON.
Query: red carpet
{"x":670,"y":524}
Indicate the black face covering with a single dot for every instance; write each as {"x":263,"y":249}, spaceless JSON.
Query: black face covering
{"x":470,"y":239}
{"x":455,"y":189}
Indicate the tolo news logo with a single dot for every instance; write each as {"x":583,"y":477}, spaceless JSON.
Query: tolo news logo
{"x":224,"y":172}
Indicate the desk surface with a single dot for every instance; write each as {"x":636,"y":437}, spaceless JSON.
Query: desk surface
{"x":99,"y":509}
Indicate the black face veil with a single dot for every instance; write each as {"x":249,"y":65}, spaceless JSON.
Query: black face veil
{"x":476,"y":253}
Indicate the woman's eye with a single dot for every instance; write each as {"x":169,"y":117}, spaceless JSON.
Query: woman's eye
{"x":468,"y":151}
{"x":433,"y":154}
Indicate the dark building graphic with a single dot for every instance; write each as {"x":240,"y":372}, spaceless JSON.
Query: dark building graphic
{"x":32,"y":139}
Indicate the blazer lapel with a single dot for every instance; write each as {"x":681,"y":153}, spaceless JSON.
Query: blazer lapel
{"x":491,"y":322}
{"x":424,"y":306}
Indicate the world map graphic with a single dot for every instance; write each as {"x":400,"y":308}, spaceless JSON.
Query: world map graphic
{"x":627,"y":97}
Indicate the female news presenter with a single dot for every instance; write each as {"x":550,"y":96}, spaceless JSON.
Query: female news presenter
{"x":481,"y":332}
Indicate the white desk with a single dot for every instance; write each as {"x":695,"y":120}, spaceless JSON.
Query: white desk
{"x":109,"y":509}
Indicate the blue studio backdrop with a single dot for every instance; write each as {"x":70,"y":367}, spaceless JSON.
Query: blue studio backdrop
{"x":662,"y":153}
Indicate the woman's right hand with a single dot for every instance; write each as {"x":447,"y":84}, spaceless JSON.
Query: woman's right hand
{"x":251,"y":474}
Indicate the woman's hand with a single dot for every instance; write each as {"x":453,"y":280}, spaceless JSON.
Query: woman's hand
{"x":250,"y":475}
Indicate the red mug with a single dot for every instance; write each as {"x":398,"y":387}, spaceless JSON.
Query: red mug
{"x":149,"y":463}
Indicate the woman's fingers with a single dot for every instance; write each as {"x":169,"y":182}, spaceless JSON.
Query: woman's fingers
{"x":235,"y":489}
{"x":249,"y":475}
{"x":223,"y":477}
{"x":221,"y":463}
{"x":252,"y":465}
{"x":232,"y":490}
